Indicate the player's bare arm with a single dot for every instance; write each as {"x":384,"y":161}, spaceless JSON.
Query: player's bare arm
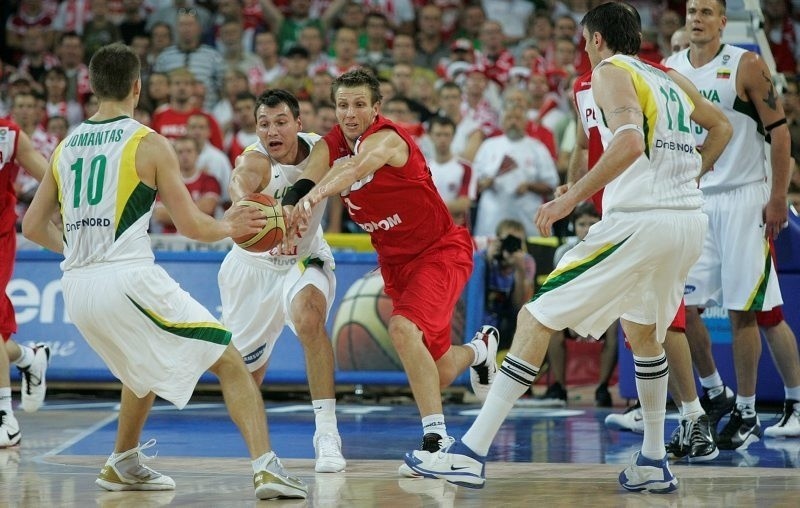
{"x":709,"y":117}
{"x":316,"y":168}
{"x":616,"y":97}
{"x":36,"y":225}
{"x":156,"y":162}
{"x":27,"y":156}
{"x":379,"y":149}
{"x":251,"y":174}
{"x":578,"y":160}
{"x":755,"y":81}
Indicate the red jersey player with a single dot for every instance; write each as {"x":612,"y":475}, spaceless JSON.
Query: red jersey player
{"x":425,"y":259}
{"x":16,"y":147}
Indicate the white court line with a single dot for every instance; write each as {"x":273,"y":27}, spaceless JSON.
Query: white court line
{"x":81,"y":405}
{"x":69,"y":442}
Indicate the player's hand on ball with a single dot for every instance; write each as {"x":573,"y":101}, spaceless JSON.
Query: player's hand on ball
{"x":244,"y":220}
{"x":273,"y":228}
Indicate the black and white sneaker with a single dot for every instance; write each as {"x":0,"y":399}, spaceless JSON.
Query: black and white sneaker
{"x":431,"y":443}
{"x":678,"y":446}
{"x":740,"y":431}
{"x":34,"y":386}
{"x":631,"y":420}
{"x":10,"y":434}
{"x":482,"y":376}
{"x":702,"y":447}
{"x":718,"y":406}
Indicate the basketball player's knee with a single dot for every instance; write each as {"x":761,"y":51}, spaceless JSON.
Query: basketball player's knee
{"x":230,"y":359}
{"x":309,"y":328}
{"x":401,"y":331}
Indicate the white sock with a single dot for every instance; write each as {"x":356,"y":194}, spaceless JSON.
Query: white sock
{"x":692,"y":410}
{"x":651,"y":383}
{"x":513,"y":380}
{"x":434,"y":423}
{"x":747,"y":405}
{"x":792,"y":393}
{"x":325,"y":415}
{"x":713,"y":384}
{"x":478,"y":346}
{"x":25,"y":358}
{"x":261,"y":462}
{"x":5,"y":399}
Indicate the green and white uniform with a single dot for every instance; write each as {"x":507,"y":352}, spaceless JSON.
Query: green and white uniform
{"x":151,"y":334}
{"x":257,"y":289}
{"x":736,"y":270}
{"x":633,"y":263}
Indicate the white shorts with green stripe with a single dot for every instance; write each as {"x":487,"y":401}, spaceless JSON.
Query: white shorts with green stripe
{"x":735,"y":270}
{"x":151,"y":334}
{"x":631,"y":265}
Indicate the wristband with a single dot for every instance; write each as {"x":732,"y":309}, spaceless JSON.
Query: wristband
{"x":297,"y":191}
{"x":629,"y":127}
{"x":775,"y":124}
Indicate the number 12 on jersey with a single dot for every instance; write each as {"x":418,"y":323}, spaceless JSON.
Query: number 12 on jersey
{"x":673,"y":96}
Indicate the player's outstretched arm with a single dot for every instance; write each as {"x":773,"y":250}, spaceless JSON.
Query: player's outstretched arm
{"x":251,"y":174}
{"x":377,"y":150}
{"x":709,"y":117}
{"x":156,"y":162}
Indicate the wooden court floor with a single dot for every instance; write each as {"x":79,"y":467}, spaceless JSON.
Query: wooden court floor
{"x":541,"y":458}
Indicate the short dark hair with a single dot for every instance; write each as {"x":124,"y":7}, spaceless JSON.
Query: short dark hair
{"x":585,"y":208}
{"x":355,"y":78}
{"x":441,"y":120}
{"x":450,"y":85}
{"x":112,"y":71}
{"x":618,"y":26}
{"x":70,"y":35}
{"x":275,"y":97}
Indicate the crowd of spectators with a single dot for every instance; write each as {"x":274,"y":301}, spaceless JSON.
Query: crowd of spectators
{"x":478,"y":63}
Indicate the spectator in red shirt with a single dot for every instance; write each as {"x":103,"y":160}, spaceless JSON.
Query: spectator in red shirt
{"x":171,"y":120}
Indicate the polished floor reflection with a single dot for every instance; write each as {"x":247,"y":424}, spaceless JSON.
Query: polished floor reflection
{"x":543,"y":457}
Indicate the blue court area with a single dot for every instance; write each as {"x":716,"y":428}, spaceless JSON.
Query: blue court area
{"x":567,"y":436}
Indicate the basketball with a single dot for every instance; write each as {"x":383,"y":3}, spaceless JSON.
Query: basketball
{"x":360,"y":329}
{"x":272,"y":233}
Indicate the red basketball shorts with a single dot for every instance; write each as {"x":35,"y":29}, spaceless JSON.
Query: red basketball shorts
{"x":8,"y":249}
{"x":425,"y":290}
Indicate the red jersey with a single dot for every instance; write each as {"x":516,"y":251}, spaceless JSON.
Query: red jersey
{"x":172,"y":124}
{"x":200,"y":185}
{"x":9,"y":138}
{"x":399,"y":207}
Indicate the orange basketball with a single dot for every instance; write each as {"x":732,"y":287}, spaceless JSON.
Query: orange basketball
{"x":272,"y":233}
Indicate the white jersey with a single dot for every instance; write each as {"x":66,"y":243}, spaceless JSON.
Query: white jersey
{"x":453,"y":179}
{"x":664,"y":175}
{"x":284,"y":176}
{"x":744,"y":160}
{"x":105,"y":207}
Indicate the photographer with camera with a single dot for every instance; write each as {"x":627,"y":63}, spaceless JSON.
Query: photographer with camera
{"x":510,"y":272}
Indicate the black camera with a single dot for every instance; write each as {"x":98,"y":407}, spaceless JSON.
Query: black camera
{"x":510,"y":244}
